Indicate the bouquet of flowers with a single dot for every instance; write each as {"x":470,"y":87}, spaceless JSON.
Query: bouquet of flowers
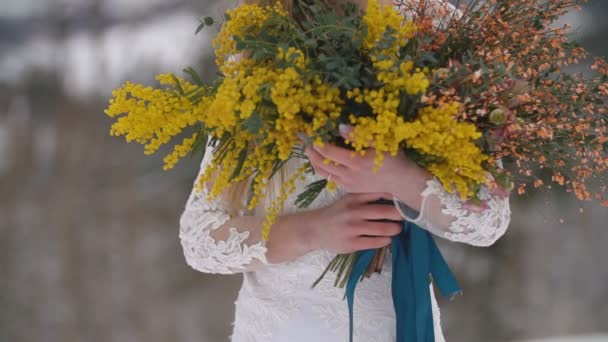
{"x":459,"y":91}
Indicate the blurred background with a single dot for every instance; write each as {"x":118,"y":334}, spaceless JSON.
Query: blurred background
{"x":89,"y":247}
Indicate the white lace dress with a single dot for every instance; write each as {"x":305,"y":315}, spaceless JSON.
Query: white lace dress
{"x":276,"y":302}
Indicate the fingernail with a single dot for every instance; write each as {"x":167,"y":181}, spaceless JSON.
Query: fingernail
{"x":343,"y":128}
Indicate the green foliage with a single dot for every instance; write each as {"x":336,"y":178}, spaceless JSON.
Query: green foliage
{"x":200,"y":144}
{"x":312,"y":191}
{"x":194,"y":76}
{"x":240,"y":162}
{"x":254,"y":123}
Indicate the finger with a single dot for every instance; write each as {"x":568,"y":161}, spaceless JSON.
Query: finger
{"x":379,"y":212}
{"x":363,"y":243}
{"x":365,"y":197}
{"x":375,"y":229}
{"x":339,"y":154}
{"x":317,"y":160}
{"x":325,"y":174}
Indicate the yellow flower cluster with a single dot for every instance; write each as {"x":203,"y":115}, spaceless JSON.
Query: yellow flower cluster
{"x":292,"y":55}
{"x":436,"y":132}
{"x":303,"y":105}
{"x":179,"y":152}
{"x":262,"y":106}
{"x":406,"y":78}
{"x":299,"y":104}
{"x":245,"y":19}
{"x":152,"y":117}
{"x":378,"y":19}
{"x":383,"y":130}
{"x":379,"y":130}
{"x":226,"y":168}
{"x":236,"y":100}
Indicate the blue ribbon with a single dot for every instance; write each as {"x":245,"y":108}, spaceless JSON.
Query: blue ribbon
{"x":416,"y":259}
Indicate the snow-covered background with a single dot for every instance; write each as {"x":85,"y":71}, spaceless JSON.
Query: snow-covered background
{"x":88,"y":225}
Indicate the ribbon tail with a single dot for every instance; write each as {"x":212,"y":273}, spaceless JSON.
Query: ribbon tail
{"x":419,"y":247}
{"x":415,"y":259}
{"x":362,"y":261}
{"x":404,"y":299}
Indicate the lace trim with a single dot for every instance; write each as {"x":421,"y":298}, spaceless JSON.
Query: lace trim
{"x":443,"y":214}
{"x":206,"y":254}
{"x":476,"y":228}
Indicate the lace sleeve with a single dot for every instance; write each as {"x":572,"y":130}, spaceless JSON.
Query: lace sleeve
{"x":210,"y":244}
{"x":445,"y":215}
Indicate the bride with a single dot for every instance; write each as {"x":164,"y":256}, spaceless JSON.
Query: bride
{"x":276,"y":302}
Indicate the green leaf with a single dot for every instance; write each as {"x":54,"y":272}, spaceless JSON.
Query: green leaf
{"x":200,"y":28}
{"x":311,"y":192}
{"x":254,"y":123}
{"x":333,"y":65}
{"x":194,"y":76}
{"x":200,"y":144}
{"x":204,"y":22}
{"x":292,"y":57}
{"x":311,"y":43}
{"x":179,"y":85}
{"x":196,"y":95}
{"x":428,"y":59}
{"x":250,"y":191}
{"x":240,"y":162}
{"x":240,"y":44}
{"x":221,"y":149}
{"x":276,"y":167}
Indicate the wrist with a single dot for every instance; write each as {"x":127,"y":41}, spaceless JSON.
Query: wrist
{"x":409,"y":189}
{"x":308,"y":227}
{"x":301,"y":229}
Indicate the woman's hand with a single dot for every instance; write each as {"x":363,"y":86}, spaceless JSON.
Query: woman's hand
{"x":397,"y":176}
{"x":345,"y":226}
{"x":341,"y":227}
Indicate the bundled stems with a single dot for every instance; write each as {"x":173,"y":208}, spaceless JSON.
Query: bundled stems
{"x":343,"y":264}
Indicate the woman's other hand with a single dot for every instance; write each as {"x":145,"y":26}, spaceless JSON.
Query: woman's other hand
{"x":349,"y":224}
{"x":397,"y":176}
